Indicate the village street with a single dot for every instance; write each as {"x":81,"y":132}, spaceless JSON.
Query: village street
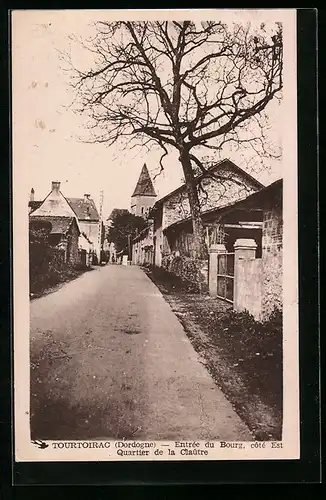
{"x":110,"y":359}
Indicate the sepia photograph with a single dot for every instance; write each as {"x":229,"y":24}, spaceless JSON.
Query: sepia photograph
{"x":155,"y":245}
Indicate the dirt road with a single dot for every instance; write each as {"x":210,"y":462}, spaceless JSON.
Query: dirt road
{"x":109,"y":359}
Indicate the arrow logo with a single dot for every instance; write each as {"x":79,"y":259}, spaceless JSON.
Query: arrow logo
{"x":41,"y":444}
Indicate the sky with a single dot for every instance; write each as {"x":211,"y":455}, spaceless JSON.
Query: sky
{"x":46,"y":131}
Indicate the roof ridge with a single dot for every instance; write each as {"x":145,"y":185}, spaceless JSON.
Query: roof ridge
{"x":203,"y":174}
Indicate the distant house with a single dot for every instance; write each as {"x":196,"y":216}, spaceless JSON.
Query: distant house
{"x":83,"y":209}
{"x":142,"y":247}
{"x":64,"y":233}
{"x":88,"y":220}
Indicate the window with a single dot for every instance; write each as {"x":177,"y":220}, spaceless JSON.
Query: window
{"x":142,"y":210}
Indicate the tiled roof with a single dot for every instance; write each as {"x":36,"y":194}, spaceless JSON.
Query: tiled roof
{"x":84,"y":209}
{"x":60,"y":225}
{"x":33,"y":205}
{"x":144,"y":186}
{"x":255,"y":200}
{"x":212,"y":169}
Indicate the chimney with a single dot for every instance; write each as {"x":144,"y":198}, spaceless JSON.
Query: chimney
{"x":31,"y":198}
{"x":86,"y":197}
{"x":56,"y":186}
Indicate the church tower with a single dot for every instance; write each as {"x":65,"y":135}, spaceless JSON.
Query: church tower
{"x":144,"y":195}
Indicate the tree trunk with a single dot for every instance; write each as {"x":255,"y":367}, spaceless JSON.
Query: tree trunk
{"x":200,"y":248}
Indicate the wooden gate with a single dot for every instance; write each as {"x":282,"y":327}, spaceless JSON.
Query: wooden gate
{"x":225,"y":276}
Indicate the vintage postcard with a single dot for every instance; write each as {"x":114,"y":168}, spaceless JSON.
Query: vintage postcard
{"x":155,"y":235}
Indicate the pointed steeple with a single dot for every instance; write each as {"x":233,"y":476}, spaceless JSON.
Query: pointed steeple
{"x":144,"y":186}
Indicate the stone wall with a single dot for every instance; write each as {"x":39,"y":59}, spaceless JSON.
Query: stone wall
{"x":272,"y":260}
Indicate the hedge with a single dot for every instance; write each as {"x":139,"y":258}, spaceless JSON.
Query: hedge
{"x":189,"y":270}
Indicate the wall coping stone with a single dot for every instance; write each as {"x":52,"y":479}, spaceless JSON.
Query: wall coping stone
{"x":217,"y":248}
{"x":244,"y":243}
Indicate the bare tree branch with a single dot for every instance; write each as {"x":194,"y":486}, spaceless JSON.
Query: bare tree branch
{"x":180,"y":84}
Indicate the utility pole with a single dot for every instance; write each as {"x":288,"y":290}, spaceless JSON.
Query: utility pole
{"x":99,"y":239}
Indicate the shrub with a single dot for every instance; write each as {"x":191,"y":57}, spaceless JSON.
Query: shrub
{"x":46,"y":262}
{"x":186,"y":268}
{"x":170,"y":281}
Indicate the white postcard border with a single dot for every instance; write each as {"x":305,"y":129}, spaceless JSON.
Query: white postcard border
{"x":24,"y":449}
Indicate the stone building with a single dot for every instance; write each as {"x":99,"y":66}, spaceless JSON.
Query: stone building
{"x":224,"y":184}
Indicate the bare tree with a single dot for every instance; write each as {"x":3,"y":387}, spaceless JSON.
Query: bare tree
{"x":184,"y":85}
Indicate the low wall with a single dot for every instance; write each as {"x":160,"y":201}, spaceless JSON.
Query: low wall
{"x":248,"y":286}
{"x":191,"y":270}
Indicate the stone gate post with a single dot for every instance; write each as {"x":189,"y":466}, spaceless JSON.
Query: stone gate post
{"x":214,"y":250}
